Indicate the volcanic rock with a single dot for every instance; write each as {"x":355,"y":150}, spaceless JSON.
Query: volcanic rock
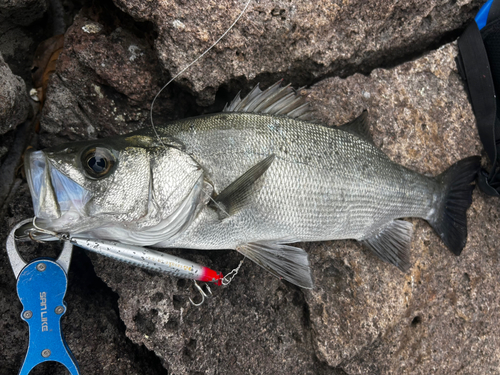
{"x":301,"y":41}
{"x":363,"y":316}
{"x":112,"y":67}
{"x":14,"y":103}
{"x":22,"y":12}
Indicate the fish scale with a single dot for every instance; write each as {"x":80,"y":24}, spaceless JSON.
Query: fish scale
{"x":360,"y":187}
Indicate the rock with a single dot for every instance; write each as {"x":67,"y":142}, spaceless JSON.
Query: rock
{"x":369,"y":317}
{"x":449,"y":323}
{"x":301,"y":41}
{"x":257,"y":323}
{"x":271,"y":41}
{"x":363,"y":316}
{"x":22,"y":12}
{"x":106,"y":79}
{"x":14,"y":103}
{"x":103,"y":77}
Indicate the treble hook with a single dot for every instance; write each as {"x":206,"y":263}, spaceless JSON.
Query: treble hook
{"x":36,"y":231}
{"x":203,"y":294}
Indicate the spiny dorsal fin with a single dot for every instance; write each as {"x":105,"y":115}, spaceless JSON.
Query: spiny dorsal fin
{"x":392,"y":243}
{"x":284,"y":261}
{"x":275,"y":100}
{"x":359,"y":126}
{"x":236,"y":194}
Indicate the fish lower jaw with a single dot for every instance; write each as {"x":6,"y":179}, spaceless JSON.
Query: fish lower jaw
{"x":66,"y":223}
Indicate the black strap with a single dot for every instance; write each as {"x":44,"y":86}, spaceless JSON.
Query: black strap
{"x":474,"y":67}
{"x":494,"y":12}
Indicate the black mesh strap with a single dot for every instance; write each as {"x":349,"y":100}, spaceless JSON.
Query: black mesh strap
{"x":474,"y":67}
{"x":494,"y":12}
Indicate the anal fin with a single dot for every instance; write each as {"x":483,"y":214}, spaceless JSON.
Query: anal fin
{"x":392,"y":243}
{"x":284,"y":261}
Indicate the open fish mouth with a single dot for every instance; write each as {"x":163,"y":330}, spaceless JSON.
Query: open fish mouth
{"x":57,"y":200}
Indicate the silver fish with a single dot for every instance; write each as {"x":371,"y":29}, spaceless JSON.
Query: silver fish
{"x":255,"y":178}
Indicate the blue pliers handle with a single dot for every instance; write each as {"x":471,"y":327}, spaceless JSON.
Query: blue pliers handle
{"x":41,"y":287}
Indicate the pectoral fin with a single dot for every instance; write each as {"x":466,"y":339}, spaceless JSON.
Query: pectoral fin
{"x":392,"y":243}
{"x":284,"y":261}
{"x":234,"y":197}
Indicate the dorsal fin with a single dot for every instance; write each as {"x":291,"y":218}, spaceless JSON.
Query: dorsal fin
{"x":359,"y":126}
{"x":275,"y":100}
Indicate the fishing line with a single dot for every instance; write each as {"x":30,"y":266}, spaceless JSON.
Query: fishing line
{"x":63,"y":236}
{"x":226,"y":280}
{"x":191,"y":64}
{"x":229,"y":277}
{"x":182,"y":71}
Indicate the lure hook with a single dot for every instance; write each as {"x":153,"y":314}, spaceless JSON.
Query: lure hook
{"x":32,"y":233}
{"x":203,"y":294}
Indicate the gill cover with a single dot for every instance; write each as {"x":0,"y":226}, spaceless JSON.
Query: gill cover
{"x":53,"y":193}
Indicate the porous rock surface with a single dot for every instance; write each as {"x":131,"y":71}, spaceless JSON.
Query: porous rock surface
{"x":300,"y":40}
{"x":22,"y":12}
{"x":107,"y":75}
{"x":14,"y":104}
{"x":106,"y":79}
{"x":363,"y":316}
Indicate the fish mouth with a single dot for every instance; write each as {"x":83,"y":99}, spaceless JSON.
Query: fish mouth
{"x":58,"y":201}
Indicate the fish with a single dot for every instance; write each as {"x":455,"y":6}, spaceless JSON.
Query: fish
{"x":258,"y":177}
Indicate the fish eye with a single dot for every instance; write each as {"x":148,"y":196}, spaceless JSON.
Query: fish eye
{"x":97,"y":162}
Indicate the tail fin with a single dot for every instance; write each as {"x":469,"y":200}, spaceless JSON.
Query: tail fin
{"x":450,"y":220}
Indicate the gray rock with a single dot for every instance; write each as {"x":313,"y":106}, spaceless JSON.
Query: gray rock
{"x":449,"y":324}
{"x":257,"y":324}
{"x":106,"y":92}
{"x":106,"y":79}
{"x":14,"y":103}
{"x":301,"y":41}
{"x":369,"y":317}
{"x":22,"y":12}
{"x":363,"y":316}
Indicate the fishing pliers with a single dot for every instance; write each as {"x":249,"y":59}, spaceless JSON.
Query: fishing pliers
{"x":41,"y":287}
